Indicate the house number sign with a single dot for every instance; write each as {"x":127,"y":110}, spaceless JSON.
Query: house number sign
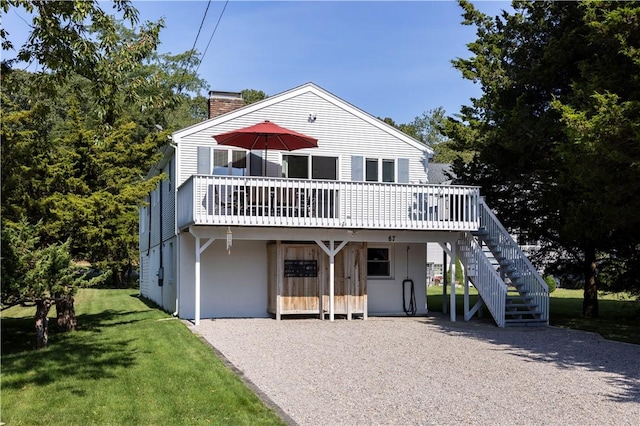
{"x":301,"y":268}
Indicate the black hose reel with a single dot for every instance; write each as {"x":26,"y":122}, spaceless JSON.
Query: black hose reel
{"x":412,"y":308}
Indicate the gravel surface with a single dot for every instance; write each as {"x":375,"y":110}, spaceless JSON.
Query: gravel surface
{"x":421,"y":371}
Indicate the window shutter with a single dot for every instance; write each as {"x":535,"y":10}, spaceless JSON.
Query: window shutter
{"x":403,"y":170}
{"x":356,"y":168}
{"x":204,"y":160}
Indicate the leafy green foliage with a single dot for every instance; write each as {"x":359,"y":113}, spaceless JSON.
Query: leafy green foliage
{"x":551,"y":283}
{"x":555,"y":130}
{"x":428,"y":128}
{"x":79,"y":138}
{"x":251,"y":96}
{"x":33,"y":272}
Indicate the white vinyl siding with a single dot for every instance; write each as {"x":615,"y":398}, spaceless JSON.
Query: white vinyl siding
{"x":339,"y":132}
{"x":144,"y":275}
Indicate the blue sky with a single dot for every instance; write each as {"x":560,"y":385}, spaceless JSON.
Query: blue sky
{"x":391,"y":59}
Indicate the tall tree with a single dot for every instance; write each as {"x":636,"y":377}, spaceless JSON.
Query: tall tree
{"x":428,"y":128}
{"x":80,"y":136}
{"x":557,"y":78}
{"x":251,"y":96}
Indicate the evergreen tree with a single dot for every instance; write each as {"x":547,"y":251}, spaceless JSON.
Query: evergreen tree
{"x":555,"y":130}
{"x":78,"y":140}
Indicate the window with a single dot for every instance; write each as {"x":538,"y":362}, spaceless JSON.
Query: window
{"x":371,"y":169}
{"x":295,"y":166}
{"x":388,"y":171}
{"x":324,"y":168}
{"x":255,"y":164}
{"x":223,"y":165}
{"x":238,"y":163}
{"x":379,"y":262}
{"x":220,"y":162}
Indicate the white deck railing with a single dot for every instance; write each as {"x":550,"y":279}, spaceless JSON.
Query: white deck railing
{"x":258,"y":201}
{"x":484,"y":277}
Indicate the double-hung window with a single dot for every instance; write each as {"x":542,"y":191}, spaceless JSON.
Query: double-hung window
{"x":372,"y":169}
{"x":379,"y":262}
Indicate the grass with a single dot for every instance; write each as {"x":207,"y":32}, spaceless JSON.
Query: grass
{"x":619,"y":315}
{"x":128,"y":363}
{"x":618,"y":319}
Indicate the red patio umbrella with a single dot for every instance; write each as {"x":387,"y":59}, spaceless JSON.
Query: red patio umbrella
{"x":266,"y":135}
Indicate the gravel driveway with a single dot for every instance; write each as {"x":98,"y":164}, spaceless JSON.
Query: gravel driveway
{"x":421,"y":371}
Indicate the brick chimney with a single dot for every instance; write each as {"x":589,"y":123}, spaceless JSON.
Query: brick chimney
{"x":224,"y":102}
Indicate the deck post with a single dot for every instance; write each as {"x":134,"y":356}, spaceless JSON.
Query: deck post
{"x":331,"y":251}
{"x":199,"y":250}
{"x":444,"y":282}
{"x":452,"y":269}
{"x":466,"y":295}
{"x":279,"y":279}
{"x":196,"y":318}
{"x":332,"y":279}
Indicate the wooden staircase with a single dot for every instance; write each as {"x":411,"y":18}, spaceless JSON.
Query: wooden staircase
{"x":506,"y":281}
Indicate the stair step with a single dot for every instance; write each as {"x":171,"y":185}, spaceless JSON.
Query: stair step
{"x":510,"y":304}
{"x":517,"y":313}
{"x":522,"y":298}
{"x":538,"y":322}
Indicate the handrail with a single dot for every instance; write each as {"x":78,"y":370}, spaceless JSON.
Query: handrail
{"x":268,"y":201}
{"x":484,"y":276}
{"x":531,"y":280}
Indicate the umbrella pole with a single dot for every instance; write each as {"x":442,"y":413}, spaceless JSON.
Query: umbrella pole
{"x":264,"y":158}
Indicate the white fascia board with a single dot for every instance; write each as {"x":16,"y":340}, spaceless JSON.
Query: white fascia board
{"x":291,"y":93}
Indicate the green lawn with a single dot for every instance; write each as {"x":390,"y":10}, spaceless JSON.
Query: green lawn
{"x":619,"y":317}
{"x":128,"y":363}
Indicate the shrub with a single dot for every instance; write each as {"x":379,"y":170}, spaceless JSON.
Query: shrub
{"x":551,"y":283}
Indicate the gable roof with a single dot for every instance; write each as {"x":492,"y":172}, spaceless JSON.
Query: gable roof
{"x":297,"y":91}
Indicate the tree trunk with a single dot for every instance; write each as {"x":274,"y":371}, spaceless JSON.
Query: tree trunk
{"x":42,"y":323}
{"x":116,"y":278}
{"x":66,"y":313}
{"x":590,"y":302}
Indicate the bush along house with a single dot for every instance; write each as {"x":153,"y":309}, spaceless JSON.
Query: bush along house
{"x":303,"y":204}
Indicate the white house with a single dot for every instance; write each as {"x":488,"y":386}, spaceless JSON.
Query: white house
{"x":336,"y":230}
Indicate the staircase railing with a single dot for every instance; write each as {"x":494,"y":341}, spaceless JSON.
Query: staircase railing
{"x":484,"y":277}
{"x":532,"y":282}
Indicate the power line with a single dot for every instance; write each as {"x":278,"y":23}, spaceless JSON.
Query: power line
{"x":201,"y":24}
{"x":184,"y":70}
{"x":212,"y":34}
